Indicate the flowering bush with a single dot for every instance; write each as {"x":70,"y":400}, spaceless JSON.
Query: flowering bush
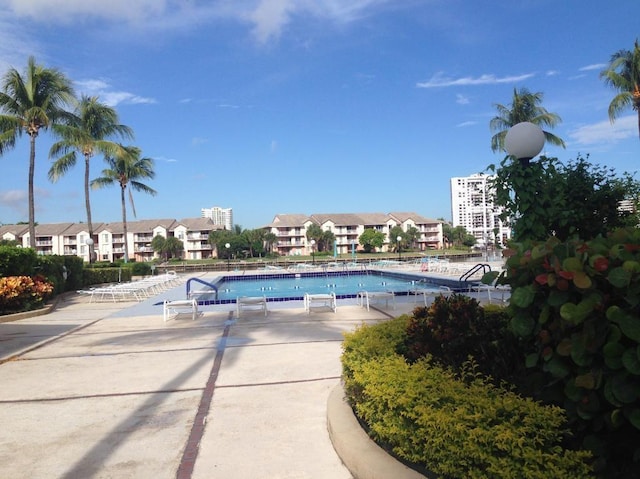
{"x":23,"y":293}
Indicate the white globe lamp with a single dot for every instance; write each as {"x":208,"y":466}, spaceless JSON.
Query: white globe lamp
{"x":524,"y":141}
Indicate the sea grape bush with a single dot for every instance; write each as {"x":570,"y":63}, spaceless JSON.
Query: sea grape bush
{"x":23,"y":293}
{"x":576,"y":305}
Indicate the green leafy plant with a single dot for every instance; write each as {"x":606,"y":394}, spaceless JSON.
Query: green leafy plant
{"x":576,"y":304}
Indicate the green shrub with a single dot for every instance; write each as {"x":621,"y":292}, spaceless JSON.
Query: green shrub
{"x":16,"y":261}
{"x":93,"y":276}
{"x":140,"y":269}
{"x":576,"y":305}
{"x":453,"y":329}
{"x":455,"y":426}
{"x":368,"y":342}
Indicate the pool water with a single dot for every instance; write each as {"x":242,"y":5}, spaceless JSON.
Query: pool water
{"x":294,"y":286}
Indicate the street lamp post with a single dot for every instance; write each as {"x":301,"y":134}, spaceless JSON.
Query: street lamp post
{"x":89,"y":243}
{"x":524,"y":141}
{"x":399,"y":238}
{"x":313,"y":251}
{"x":227,"y":246}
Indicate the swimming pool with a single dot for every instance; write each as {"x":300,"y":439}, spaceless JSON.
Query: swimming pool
{"x":293,"y":286}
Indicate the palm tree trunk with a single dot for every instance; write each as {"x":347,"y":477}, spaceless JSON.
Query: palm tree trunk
{"x":32,"y":167}
{"x":88,"y":206}
{"x":124,"y":225}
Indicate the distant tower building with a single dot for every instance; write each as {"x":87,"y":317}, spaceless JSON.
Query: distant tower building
{"x":472,"y":206}
{"x":220,"y":216}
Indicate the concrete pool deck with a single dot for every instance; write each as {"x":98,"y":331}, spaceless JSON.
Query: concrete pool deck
{"x":109,"y":390}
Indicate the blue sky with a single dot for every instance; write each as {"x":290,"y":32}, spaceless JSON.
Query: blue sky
{"x":313,"y":106}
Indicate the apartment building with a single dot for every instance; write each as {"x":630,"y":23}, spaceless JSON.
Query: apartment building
{"x":220,"y":216}
{"x":109,"y":239}
{"x":472,"y":206}
{"x":291,"y":230}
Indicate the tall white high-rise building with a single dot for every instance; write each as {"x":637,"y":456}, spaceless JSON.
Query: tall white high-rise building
{"x":472,"y":206}
{"x":220,"y":216}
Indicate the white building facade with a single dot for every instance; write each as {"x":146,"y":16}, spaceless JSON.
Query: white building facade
{"x":473,"y":206}
{"x":220,"y":216}
{"x":290,"y":230}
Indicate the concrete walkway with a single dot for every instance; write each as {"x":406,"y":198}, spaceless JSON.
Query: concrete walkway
{"x":108,"y":390}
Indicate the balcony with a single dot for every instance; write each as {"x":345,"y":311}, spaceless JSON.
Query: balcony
{"x":142,"y":238}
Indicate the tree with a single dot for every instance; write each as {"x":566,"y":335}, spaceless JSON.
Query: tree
{"x":30,"y":103}
{"x":326,"y":241}
{"x":623,"y":74}
{"x":411,"y":236}
{"x":167,"y":247}
{"x":525,"y":106}
{"x":173,"y":247}
{"x":86,"y":134}
{"x":157,"y":244}
{"x":314,"y":232}
{"x":394,"y":233}
{"x":269,"y":239}
{"x":459,"y":236}
{"x":574,"y":200}
{"x":220,"y":238}
{"x":126,"y":168}
{"x":370,"y":239}
{"x":255,"y":241}
{"x":447,"y":232}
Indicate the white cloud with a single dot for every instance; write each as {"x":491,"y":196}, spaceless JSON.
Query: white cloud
{"x":165,"y":159}
{"x":110,"y":97}
{"x":15,"y":200}
{"x":69,"y":10}
{"x":595,"y":66}
{"x":196,"y":141}
{"x":461,"y":99}
{"x":606,"y":132}
{"x":466,"y":123}
{"x":268,"y":18}
{"x":439,"y":80}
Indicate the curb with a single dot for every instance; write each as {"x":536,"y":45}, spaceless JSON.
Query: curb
{"x":8,"y":318}
{"x":46,"y":309}
{"x":361,"y":455}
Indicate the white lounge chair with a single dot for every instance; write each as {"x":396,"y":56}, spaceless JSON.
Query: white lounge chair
{"x":365,"y":298}
{"x":251,"y":303}
{"x":504,"y":290}
{"x":321,"y":302}
{"x":428,"y":295}
{"x":172,"y":309}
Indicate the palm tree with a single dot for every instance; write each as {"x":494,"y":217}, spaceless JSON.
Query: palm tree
{"x":28,"y":104}
{"x":623,"y":74}
{"x":87,"y":133}
{"x":127,"y":168}
{"x":269,"y":239}
{"x":525,"y":106}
